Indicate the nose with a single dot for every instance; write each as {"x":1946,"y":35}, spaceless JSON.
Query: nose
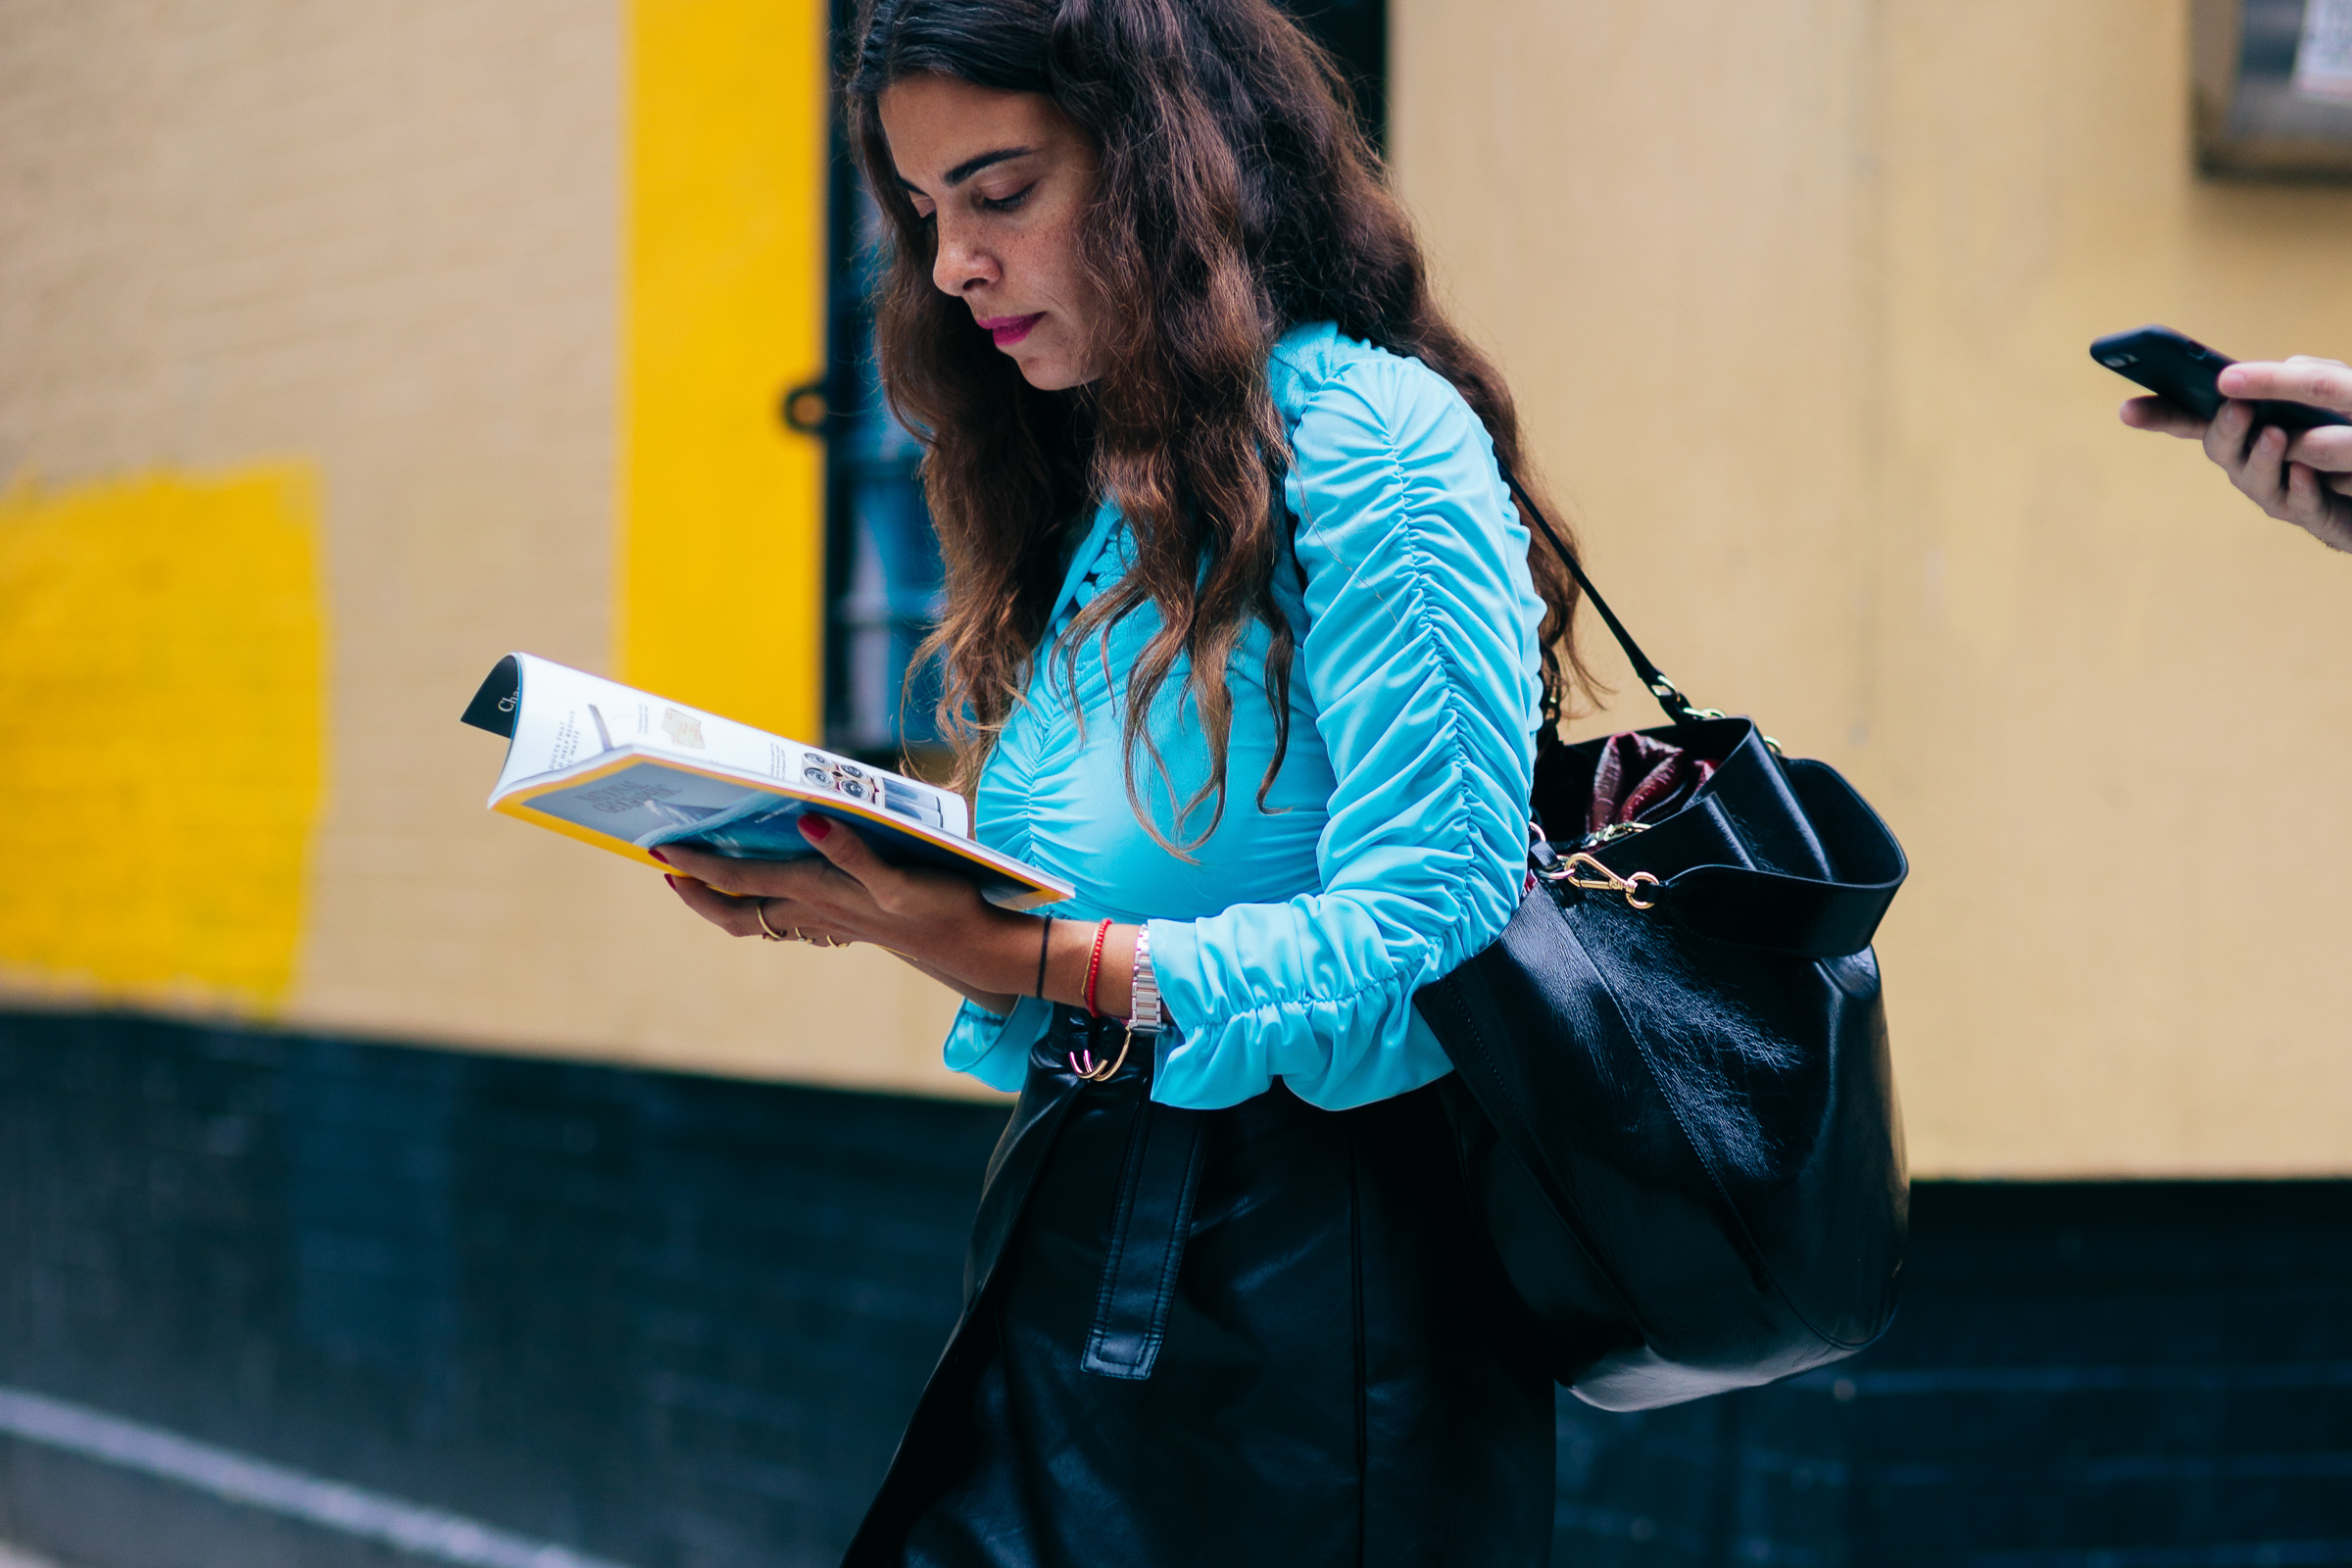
{"x":961,"y":266}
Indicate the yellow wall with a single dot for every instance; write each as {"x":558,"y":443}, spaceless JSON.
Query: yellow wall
{"x":724,"y":310}
{"x":399,"y":241}
{"x":161,"y":735}
{"x":1797,"y":300}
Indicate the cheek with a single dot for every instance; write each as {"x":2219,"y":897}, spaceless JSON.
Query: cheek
{"x":1048,"y":255}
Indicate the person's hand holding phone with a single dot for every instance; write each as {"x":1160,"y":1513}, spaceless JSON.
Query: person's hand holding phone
{"x":2303,"y":477}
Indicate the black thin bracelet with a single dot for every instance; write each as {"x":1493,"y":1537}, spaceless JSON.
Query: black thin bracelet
{"x":1043,"y":944}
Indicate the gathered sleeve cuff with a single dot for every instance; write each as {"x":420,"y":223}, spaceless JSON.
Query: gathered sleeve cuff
{"x":1421,"y":657}
{"x":996,"y":1050}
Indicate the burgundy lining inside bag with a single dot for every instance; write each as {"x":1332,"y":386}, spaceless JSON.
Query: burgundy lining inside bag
{"x":1639,"y":778}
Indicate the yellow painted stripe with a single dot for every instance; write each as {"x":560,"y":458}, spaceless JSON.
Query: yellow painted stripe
{"x":720,"y":580}
{"x":162,"y":735}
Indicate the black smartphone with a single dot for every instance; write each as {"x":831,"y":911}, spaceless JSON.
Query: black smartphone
{"x":2181,"y":370}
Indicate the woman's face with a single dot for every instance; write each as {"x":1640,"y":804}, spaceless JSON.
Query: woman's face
{"x":1004,"y":178}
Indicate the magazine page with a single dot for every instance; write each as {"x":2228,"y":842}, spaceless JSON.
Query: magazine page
{"x":563,"y":716}
{"x":628,"y":772}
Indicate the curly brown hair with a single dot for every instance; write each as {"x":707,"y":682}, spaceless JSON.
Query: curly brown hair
{"x":1237,"y":197}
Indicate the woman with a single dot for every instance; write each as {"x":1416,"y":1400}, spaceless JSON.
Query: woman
{"x":1243,"y":638}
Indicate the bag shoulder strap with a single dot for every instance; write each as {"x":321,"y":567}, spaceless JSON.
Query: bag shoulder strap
{"x":1805,"y":916}
{"x":1679,"y":709}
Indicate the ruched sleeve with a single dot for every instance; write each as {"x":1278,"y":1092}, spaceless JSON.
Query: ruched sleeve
{"x":1420,"y":655}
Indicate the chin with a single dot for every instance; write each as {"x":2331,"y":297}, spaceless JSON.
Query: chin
{"x":1052,"y":373}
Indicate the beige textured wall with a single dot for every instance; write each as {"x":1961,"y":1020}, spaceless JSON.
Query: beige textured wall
{"x":1797,"y":298}
{"x":385,"y":241}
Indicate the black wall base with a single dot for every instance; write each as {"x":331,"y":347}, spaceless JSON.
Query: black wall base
{"x":2095,"y":1375}
{"x":676,"y":1323}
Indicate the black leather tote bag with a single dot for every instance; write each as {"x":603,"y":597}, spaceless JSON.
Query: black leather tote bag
{"x":1673,"y":1096}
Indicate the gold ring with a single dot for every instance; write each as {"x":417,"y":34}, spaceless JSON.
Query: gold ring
{"x":759,"y":913}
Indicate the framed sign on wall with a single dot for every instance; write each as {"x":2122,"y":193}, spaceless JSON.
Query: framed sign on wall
{"x":2273,"y":88}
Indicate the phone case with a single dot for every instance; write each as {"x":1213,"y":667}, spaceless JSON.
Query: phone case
{"x":2180,"y":369}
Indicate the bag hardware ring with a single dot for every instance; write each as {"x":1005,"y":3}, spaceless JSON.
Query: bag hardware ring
{"x":1096,"y":1072}
{"x":1600,"y":879}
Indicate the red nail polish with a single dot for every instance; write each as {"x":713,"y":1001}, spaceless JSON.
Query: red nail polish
{"x":816,"y":827}
{"x":658,"y":856}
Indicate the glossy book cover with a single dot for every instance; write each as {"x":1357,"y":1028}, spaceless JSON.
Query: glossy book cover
{"x":628,"y":771}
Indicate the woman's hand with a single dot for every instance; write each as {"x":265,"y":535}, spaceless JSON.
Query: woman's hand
{"x":935,"y":921}
{"x":2305,"y":479}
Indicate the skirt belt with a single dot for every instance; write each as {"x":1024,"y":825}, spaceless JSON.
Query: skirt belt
{"x":1158,"y":1177}
{"x":1157,"y":1182}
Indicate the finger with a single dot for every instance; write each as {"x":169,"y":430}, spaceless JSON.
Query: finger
{"x":815,"y":930}
{"x":2164,"y":416}
{"x":2263,"y":473}
{"x":2301,"y":380}
{"x":731,"y":916}
{"x":2340,"y":483}
{"x":782,"y":920}
{"x":743,"y":879}
{"x":2312,"y":507}
{"x":2227,"y":434}
{"x":848,"y":852}
{"x":790,"y":914}
{"x":695,"y":896}
{"x":2328,"y":448}
{"x":816,"y":935}
{"x":2306,"y":505}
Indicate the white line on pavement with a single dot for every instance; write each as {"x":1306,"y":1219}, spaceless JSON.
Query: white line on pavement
{"x":259,"y":1484}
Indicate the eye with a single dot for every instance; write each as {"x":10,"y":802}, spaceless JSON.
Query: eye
{"x":1006,"y":204}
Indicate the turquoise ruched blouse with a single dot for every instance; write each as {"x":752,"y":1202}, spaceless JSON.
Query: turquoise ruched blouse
{"x":1393,"y":844}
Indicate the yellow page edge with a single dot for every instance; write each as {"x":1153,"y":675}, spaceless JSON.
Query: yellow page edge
{"x":515,"y":802}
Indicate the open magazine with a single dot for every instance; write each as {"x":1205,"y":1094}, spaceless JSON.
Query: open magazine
{"x":628,"y":771}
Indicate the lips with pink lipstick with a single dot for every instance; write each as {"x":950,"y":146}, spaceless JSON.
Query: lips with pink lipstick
{"x":1008,"y":330}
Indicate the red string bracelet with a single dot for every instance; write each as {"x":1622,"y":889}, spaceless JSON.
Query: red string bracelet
{"x":1094,"y":970}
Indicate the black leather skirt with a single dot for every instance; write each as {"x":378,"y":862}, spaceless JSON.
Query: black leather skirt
{"x":1266,"y":1335}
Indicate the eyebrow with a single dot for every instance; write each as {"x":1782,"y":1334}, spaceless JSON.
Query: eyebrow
{"x":972,"y":165}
